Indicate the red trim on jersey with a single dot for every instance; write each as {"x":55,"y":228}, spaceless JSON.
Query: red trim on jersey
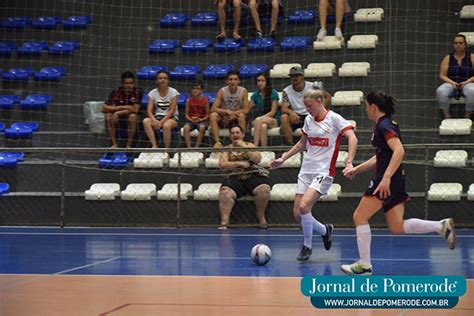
{"x":389,"y":134}
{"x":327,"y":112}
{"x":302,"y":132}
{"x":346,"y":128}
{"x":332,"y":166}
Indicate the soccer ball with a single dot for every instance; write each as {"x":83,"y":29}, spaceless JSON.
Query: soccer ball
{"x":261,"y":254}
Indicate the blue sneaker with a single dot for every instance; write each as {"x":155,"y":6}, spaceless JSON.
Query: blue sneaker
{"x":357,"y":268}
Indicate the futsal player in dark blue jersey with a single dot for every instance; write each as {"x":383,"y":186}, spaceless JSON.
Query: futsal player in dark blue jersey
{"x":387,"y":189}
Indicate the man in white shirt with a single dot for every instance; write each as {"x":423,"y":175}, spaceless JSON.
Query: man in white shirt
{"x":292,"y":107}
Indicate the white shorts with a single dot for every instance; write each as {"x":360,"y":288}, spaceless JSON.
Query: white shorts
{"x":318,"y":182}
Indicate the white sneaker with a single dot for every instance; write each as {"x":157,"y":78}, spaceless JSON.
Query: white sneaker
{"x":338,"y":33}
{"x":357,"y":268}
{"x":448,"y":232}
{"x":321,"y":34}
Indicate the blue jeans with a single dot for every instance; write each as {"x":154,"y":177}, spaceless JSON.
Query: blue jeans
{"x":446,"y":91}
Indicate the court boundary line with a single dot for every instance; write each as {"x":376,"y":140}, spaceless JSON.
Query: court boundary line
{"x":432,"y":235}
{"x":163,"y":276}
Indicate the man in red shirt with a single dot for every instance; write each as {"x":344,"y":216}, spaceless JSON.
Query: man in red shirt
{"x":123,"y":102}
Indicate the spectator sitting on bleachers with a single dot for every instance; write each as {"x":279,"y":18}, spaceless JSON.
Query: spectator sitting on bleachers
{"x":293,"y":110}
{"x":123,"y":102}
{"x":341,"y":7}
{"x":230,"y":107}
{"x":264,"y":108}
{"x":221,"y":13}
{"x":272,"y":6}
{"x":246,"y":180}
{"x":237,"y":15}
{"x":162,"y":110}
{"x":458,"y":76}
{"x":196,"y":115}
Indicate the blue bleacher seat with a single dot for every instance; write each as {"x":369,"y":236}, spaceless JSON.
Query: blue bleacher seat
{"x":21,"y":130}
{"x":4,"y":188}
{"x":211,"y":96}
{"x":185,"y":72}
{"x":264,"y":20}
{"x":252,"y":70}
{"x":8,"y":101}
{"x":114,"y":160}
{"x":182,"y":98}
{"x":63,"y":47}
{"x":18,"y":155}
{"x":8,"y":162}
{"x":6,"y":48}
{"x":36,"y":101}
{"x":144,"y":101}
{"x":77,"y":22}
{"x":302,"y":17}
{"x":295,"y":43}
{"x":50,"y":74}
{"x":228,"y":45}
{"x":196,"y":45}
{"x":10,"y":159}
{"x":265,"y":44}
{"x":32,"y":48}
{"x":174,"y":20}
{"x":163,"y":46}
{"x":18,"y":74}
{"x":149,"y":72}
{"x":15,"y":22}
{"x":217,"y":71}
{"x":2,"y":127}
{"x":204,"y":18}
{"x":46,"y":22}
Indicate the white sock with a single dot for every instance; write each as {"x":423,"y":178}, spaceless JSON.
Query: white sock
{"x":307,"y":225}
{"x":364,"y":237}
{"x":318,"y":227}
{"x":420,"y":226}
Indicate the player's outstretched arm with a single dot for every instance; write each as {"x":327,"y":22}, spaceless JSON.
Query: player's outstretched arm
{"x":298,"y":147}
{"x":363,"y":167}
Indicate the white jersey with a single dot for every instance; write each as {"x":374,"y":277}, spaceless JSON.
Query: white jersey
{"x":322,"y":143}
{"x":295,"y":99}
{"x":162,"y":103}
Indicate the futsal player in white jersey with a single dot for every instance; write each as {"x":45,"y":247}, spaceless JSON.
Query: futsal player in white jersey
{"x":322,"y":132}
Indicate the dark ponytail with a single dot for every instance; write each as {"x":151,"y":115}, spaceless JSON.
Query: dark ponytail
{"x":384,"y":102}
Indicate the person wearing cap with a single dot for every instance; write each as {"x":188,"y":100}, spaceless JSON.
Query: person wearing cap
{"x":292,"y":107}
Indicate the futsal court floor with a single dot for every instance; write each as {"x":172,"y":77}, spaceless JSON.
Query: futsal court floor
{"x":127,"y":271}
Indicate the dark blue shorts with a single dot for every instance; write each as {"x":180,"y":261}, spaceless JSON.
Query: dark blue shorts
{"x":397,"y":188}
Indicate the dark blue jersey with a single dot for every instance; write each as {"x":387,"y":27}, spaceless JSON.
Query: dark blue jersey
{"x":385,"y":129}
